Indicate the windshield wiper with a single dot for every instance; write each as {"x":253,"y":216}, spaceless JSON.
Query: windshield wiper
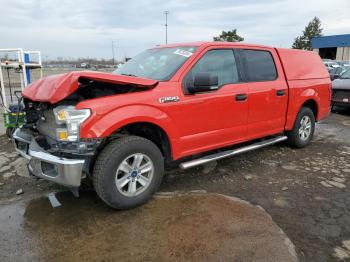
{"x":129,"y":75}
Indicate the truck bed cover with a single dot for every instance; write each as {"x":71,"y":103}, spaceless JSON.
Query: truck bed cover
{"x":301,"y":64}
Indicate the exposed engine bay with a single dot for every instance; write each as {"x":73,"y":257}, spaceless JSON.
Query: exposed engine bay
{"x":41,"y":120}
{"x":90,"y":89}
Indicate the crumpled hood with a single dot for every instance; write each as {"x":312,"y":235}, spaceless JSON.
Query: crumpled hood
{"x":341,"y":84}
{"x":55,"y":88}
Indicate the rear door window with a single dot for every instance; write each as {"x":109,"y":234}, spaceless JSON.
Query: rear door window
{"x":259,"y":65}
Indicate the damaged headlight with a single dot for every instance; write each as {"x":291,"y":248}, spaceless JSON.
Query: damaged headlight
{"x":70,"y":119}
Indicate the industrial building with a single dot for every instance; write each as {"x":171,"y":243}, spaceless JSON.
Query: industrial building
{"x":335,"y":47}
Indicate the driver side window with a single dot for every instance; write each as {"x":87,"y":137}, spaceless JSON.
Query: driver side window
{"x":217,"y":62}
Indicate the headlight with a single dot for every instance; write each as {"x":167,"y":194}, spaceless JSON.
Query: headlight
{"x":69,"y":119}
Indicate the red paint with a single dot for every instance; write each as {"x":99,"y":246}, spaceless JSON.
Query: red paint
{"x":201,"y":122}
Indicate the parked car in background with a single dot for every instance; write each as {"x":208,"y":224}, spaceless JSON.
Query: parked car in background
{"x":341,"y":90}
{"x":169,"y":103}
{"x":337,"y":72}
{"x":344,"y":63}
{"x":330,"y":64}
{"x":85,"y":65}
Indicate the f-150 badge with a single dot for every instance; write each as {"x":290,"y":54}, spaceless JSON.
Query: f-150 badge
{"x":169,"y":99}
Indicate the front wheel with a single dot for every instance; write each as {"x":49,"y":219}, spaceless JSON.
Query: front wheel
{"x":303,"y":130}
{"x":128,"y":172}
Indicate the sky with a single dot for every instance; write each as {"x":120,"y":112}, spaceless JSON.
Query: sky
{"x":86,"y":28}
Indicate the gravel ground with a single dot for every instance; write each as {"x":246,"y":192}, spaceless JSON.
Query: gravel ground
{"x":306,"y":191}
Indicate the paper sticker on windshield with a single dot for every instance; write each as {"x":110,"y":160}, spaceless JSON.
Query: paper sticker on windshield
{"x":183,"y":53}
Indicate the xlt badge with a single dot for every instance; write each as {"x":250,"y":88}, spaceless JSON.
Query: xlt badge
{"x":169,"y":99}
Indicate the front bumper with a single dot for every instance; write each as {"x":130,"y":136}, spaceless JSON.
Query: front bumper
{"x":340,"y":97}
{"x":63,"y":171}
{"x":338,"y":102}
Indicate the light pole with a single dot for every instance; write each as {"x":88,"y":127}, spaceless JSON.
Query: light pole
{"x":166,"y":26}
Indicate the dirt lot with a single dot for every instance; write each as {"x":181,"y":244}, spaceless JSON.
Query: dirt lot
{"x":306,"y":191}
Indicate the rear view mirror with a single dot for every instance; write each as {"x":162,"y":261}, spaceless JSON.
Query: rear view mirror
{"x":204,"y":82}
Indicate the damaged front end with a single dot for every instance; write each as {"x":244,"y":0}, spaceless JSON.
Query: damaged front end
{"x":64,"y":171}
{"x":49,"y":137}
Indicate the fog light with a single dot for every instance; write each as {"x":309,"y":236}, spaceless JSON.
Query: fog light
{"x":62,"y":134}
{"x":49,"y":169}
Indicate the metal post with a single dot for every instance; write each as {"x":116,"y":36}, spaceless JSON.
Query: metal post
{"x":24,"y":67}
{"x":166,"y":26}
{"x":40,"y":63}
{"x":21,"y":75}
{"x":27,"y":72}
{"x":2,"y":85}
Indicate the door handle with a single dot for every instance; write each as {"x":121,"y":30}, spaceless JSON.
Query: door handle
{"x":280,"y":92}
{"x":241,"y":97}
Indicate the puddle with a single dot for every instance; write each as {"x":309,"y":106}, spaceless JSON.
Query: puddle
{"x":197,"y":227}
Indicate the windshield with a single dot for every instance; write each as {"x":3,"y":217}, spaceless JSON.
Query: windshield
{"x":158,"y":63}
{"x":345,"y":75}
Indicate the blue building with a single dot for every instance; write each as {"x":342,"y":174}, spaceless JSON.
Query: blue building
{"x":332,"y":47}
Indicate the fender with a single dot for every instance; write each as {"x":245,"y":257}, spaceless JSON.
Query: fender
{"x":296,"y":99}
{"x":98,"y":126}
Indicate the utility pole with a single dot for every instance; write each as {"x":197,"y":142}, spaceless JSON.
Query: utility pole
{"x":166,"y":26}
{"x":113,"y":52}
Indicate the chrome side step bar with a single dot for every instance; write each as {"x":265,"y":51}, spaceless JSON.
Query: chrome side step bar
{"x":228,"y":153}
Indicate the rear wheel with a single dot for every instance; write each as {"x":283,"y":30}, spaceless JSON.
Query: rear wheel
{"x":303,"y":130}
{"x":128,"y":172}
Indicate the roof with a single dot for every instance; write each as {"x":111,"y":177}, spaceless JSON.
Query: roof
{"x":205,"y":44}
{"x":330,"y":41}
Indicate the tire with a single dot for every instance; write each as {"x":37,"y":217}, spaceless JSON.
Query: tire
{"x":300,"y":136}
{"x":9,"y":132}
{"x":119,"y":163}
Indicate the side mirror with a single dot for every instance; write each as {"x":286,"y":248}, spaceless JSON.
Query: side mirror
{"x":204,"y":82}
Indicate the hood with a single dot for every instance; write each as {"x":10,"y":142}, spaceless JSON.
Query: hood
{"x":341,"y":84}
{"x":55,"y":88}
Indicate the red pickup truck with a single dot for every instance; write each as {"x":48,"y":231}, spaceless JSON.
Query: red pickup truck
{"x":191,"y":102}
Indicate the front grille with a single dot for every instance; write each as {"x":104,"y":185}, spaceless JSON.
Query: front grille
{"x":340,"y":94}
{"x":47,"y":124}
{"x":33,"y":110}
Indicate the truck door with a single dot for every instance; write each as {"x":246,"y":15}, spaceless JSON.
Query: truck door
{"x":215,"y":118}
{"x":267,"y":92}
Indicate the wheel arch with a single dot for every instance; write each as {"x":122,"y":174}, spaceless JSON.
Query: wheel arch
{"x":150,"y":131}
{"x":307,"y":98}
{"x":312,"y":104}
